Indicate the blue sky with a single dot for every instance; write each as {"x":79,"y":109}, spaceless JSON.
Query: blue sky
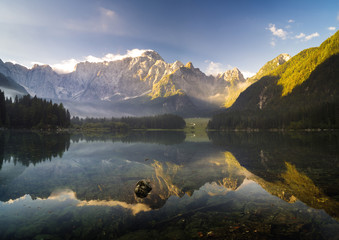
{"x":215,"y":35}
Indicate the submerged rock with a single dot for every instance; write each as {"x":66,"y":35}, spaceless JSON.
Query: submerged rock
{"x":142,"y":188}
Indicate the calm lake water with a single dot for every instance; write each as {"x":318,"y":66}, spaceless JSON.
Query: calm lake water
{"x":222,"y":186}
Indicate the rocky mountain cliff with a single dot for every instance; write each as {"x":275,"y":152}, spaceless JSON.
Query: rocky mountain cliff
{"x":270,"y":66}
{"x":118,"y":83}
{"x":235,"y":84}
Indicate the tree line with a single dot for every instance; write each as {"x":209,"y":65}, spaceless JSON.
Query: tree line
{"x":28,"y":113}
{"x":322,"y":115}
{"x":165,"y":121}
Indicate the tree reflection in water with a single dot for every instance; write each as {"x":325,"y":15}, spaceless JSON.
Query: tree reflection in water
{"x":230,"y":189}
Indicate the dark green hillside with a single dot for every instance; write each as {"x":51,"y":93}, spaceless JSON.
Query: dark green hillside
{"x":279,"y":101}
{"x":257,"y":95}
{"x":299,"y":68}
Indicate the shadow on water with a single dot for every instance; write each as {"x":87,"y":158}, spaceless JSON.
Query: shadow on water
{"x":292,"y":165}
{"x":27,"y":147}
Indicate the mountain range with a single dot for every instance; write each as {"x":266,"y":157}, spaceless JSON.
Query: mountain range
{"x":301,"y":87}
{"x":143,"y":85}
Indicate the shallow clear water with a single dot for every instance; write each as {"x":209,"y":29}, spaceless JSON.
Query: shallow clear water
{"x":224,"y":186}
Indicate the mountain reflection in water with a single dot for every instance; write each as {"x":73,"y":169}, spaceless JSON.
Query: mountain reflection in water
{"x":236,"y":185}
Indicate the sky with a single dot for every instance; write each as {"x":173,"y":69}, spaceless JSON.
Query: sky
{"x":215,"y":35}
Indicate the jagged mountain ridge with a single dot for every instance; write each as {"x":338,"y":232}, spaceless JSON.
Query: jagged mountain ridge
{"x":270,"y":66}
{"x":119,"y":83}
{"x":147,"y":76}
{"x":127,"y":78}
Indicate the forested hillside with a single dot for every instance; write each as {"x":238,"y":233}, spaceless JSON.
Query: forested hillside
{"x":28,"y":112}
{"x":301,"y":93}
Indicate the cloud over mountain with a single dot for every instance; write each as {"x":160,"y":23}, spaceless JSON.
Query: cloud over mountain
{"x":67,"y":66}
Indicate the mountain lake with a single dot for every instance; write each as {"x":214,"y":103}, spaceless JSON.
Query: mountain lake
{"x":230,"y":185}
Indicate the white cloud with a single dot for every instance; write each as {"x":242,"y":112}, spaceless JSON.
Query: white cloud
{"x":279,"y":32}
{"x":91,"y":58}
{"x":247,"y":74}
{"x":338,"y":16}
{"x":331,"y":28}
{"x":67,"y":66}
{"x":272,"y":43}
{"x":313,"y":35}
{"x":301,"y":35}
{"x":214,"y":68}
{"x":114,"y":57}
{"x":304,"y":37}
{"x":291,"y":21}
{"x":107,"y":12}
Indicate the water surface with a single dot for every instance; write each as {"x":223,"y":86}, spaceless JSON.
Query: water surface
{"x":226,"y":186}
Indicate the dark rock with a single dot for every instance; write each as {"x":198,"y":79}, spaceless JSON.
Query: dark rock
{"x":142,"y":188}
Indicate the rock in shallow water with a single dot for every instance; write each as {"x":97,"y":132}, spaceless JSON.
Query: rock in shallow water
{"x":142,"y":188}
